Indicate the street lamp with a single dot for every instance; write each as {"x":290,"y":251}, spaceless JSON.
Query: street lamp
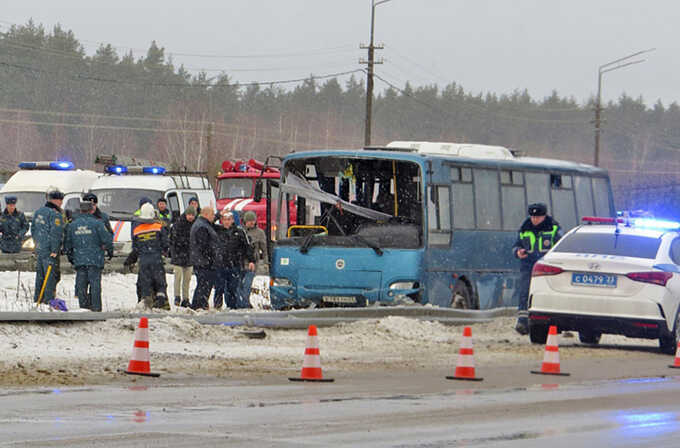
{"x":609,"y":67}
{"x":369,"y":75}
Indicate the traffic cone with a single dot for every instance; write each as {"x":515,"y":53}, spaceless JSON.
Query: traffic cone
{"x":139,"y":363}
{"x":311,"y":363}
{"x":465,"y":369}
{"x":676,"y":363}
{"x":551,"y":359}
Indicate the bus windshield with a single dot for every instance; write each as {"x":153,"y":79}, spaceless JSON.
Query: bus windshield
{"x":235,"y":188}
{"x":350,"y":202}
{"x":27,"y":201}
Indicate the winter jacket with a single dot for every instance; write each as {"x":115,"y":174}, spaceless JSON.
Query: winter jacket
{"x":100,"y":215}
{"x":180,"y":239}
{"x":47,"y":229}
{"x":86,"y":240}
{"x":234,"y":247}
{"x":150,"y":241}
{"x":536,"y":240}
{"x":13,"y":227}
{"x":165,"y":216}
{"x":203,"y":242}
{"x":259,"y":242}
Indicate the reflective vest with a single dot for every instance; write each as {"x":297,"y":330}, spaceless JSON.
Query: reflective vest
{"x":546,"y":239}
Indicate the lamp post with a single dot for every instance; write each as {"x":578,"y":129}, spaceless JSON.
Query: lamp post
{"x":609,"y":67}
{"x":369,"y":75}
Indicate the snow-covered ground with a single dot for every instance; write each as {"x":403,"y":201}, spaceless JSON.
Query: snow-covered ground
{"x":118,"y":292}
{"x":91,"y":352}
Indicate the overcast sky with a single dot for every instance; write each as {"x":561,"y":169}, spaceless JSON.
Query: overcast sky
{"x":484,"y":45}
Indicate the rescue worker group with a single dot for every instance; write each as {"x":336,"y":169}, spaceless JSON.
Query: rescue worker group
{"x":224,"y":256}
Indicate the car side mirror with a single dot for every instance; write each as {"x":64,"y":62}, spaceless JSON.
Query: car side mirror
{"x":257,"y":197}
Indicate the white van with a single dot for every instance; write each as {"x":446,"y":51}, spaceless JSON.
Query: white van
{"x":121,"y":188}
{"x":31,"y":183}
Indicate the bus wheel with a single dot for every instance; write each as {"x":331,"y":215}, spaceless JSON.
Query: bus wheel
{"x":461,"y":297}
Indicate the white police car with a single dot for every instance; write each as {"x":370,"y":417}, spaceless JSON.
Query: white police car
{"x":618,"y":277}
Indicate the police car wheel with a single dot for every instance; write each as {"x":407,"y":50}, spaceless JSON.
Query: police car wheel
{"x":538,"y":334}
{"x":589,"y":337}
{"x":461,"y":298}
{"x":668,"y":344}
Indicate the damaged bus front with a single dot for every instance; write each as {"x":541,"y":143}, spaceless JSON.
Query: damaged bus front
{"x":357,"y":237}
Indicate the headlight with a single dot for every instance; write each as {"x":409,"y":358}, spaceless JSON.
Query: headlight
{"x":280,"y":281}
{"x":404,"y":285}
{"x":29,"y":244}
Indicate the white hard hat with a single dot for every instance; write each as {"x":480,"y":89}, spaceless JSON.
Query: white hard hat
{"x":147,"y":211}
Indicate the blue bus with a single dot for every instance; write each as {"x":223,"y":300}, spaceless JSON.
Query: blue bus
{"x":416,"y":221}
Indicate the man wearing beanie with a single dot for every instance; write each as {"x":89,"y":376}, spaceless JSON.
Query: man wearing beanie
{"x":180,"y":248}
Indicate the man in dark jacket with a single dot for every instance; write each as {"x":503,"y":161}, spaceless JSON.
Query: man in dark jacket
{"x":234,"y":251}
{"x":203,"y":242}
{"x":85,"y":243}
{"x":537,"y":235}
{"x":180,"y":235}
{"x":150,"y":242}
{"x":47,"y":230}
{"x":13,"y":227}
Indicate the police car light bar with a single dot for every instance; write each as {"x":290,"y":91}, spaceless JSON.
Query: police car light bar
{"x":54,"y":165}
{"x":645,"y":223}
{"x":123,"y":169}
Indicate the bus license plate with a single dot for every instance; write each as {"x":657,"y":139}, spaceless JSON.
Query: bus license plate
{"x":584,"y":279}
{"x":339,"y":299}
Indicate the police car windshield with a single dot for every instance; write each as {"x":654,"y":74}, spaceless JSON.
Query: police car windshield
{"x":124,"y":201}
{"x":236,"y":188}
{"x":27,"y":201}
{"x":610,"y":244}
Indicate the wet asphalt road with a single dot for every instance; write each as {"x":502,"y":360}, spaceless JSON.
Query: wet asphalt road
{"x":395,"y":409}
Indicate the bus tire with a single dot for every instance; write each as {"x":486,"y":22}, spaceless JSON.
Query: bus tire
{"x":461,"y":298}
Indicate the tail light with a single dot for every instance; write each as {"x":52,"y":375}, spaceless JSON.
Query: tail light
{"x":541,"y":269}
{"x":655,"y":277}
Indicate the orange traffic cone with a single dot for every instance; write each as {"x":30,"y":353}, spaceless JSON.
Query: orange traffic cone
{"x":139,"y":363}
{"x":311,"y":363}
{"x":676,"y":363}
{"x":551,"y":359}
{"x":465,"y":369}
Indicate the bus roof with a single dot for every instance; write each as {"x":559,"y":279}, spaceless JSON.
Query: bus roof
{"x":75,"y":181}
{"x":528,"y":163}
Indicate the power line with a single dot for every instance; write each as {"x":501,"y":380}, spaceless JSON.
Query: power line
{"x":81,"y":77}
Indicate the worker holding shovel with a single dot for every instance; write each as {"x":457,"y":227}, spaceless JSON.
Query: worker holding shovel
{"x":47,"y":230}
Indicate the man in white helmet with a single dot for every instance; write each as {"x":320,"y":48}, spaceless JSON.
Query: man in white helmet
{"x":150,"y":242}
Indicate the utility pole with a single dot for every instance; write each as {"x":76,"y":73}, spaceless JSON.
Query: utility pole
{"x":369,"y":73}
{"x":609,"y":67}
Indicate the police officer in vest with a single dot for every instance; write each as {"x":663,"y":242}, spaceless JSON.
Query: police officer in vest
{"x":47,"y":230}
{"x":537,"y":235}
{"x":164,"y":213}
{"x":13,"y":227}
{"x":86,"y":240}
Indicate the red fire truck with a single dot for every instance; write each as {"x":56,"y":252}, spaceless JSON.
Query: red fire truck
{"x":236,"y":187}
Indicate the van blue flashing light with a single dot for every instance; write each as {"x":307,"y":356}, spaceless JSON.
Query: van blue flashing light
{"x":153,"y":170}
{"x":650,"y":223}
{"x":116,"y":169}
{"x":61,"y":165}
{"x":27,"y":165}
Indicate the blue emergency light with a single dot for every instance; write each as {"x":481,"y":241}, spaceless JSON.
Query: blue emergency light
{"x":153,"y":170}
{"x":651,"y":223}
{"x":116,"y":169}
{"x":55,"y":165}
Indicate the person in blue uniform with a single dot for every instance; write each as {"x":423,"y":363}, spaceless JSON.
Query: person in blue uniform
{"x":13,"y":227}
{"x":85,"y":243}
{"x":47,"y":230}
{"x":537,"y":235}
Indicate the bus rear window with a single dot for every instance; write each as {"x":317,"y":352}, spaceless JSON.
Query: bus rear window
{"x":610,"y":244}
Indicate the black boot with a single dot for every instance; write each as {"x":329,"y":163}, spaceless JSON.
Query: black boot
{"x":178,"y":301}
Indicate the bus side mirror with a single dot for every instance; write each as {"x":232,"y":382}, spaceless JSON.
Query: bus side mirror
{"x":257,"y":197}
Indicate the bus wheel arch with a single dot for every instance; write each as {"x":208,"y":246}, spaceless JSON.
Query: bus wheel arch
{"x":462,"y":295}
